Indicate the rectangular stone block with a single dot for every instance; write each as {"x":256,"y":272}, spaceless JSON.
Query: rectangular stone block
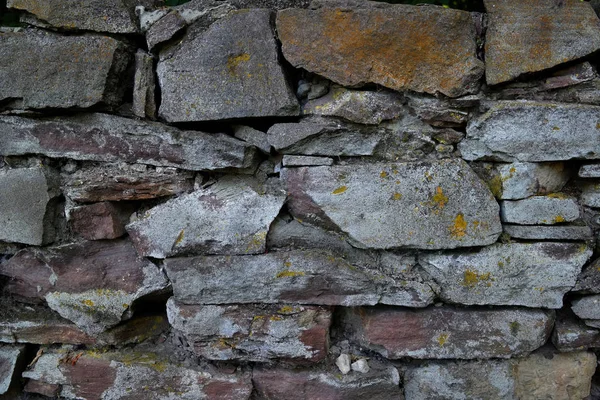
{"x":540,"y":210}
{"x":99,"y":220}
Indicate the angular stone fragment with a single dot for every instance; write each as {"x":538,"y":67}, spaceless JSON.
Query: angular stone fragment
{"x":590,"y":195}
{"x":395,"y":205}
{"x":441,"y":112}
{"x":381,"y":382}
{"x":254,"y":332}
{"x":589,"y":279}
{"x":476,"y":380}
{"x":78,"y":71}
{"x":230,"y":70}
{"x":164,"y":29}
{"x":571,"y":334}
{"x":25,"y":207}
{"x":520,"y":180}
{"x":229,"y":217}
{"x":297,"y":277}
{"x":144,"y":103}
{"x":531,"y":36}
{"x":99,"y":221}
{"x":531,"y":131}
{"x":570,"y":232}
{"x":127,"y":373}
{"x":587,"y":307}
{"x":446,"y":332}
{"x":9,"y":357}
{"x":556,"y":376}
{"x":253,"y":136}
{"x":538,"y":210}
{"x":103,"y":137}
{"x":112,"y":16}
{"x":424,"y":49}
{"x":526,"y":274}
{"x":589,"y":171}
{"x":92,"y":284}
{"x":306,"y":161}
{"x":363,"y":107}
{"x":110,"y":182}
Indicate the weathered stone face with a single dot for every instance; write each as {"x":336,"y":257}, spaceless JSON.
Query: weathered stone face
{"x":290,"y":277}
{"x":103,"y":137}
{"x":531,"y":36}
{"x":571,"y":334}
{"x":79,"y":71}
{"x":524,"y":274}
{"x":144,"y":86}
{"x":425,"y":49}
{"x":587,"y":307}
{"x":254,"y":332}
{"x":230,"y":70}
{"x":542,"y":210}
{"x":9,"y":356}
{"x":394,"y":205}
{"x":589,"y":279}
{"x":531,"y":131}
{"x":230,"y":217}
{"x":94,"y":15}
{"x":98,"y":221}
{"x":445,"y":332}
{"x":590,"y":195}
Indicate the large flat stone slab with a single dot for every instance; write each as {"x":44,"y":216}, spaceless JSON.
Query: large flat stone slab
{"x":532,"y":131}
{"x":78,"y":71}
{"x":446,"y":332}
{"x":402,"y":47}
{"x":525,"y":274}
{"x":530,"y":36}
{"x":426,"y":205}
{"x":108,"y":138}
{"x":229,"y":70}
{"x":229,"y":217}
{"x":540,"y":210}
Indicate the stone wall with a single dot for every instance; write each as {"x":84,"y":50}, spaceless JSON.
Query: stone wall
{"x":271,"y":199}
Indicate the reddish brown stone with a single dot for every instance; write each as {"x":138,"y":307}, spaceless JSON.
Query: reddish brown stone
{"x":98,"y":221}
{"x":45,"y":389}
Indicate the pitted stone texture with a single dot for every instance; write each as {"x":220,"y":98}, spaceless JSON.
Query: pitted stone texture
{"x":78,"y":71}
{"x":554,"y":376}
{"x":587,"y":307}
{"x":297,"y":277}
{"x":254,"y":332}
{"x":426,"y":205}
{"x":590,"y":195}
{"x":540,"y":210}
{"x":571,"y":334}
{"x":446,"y":332}
{"x":113,"y":16}
{"x":363,"y":107}
{"x":228,"y":71}
{"x":92,"y":284}
{"x":9,"y":356}
{"x":128,"y":373}
{"x":474,"y":380}
{"x":402,"y":47}
{"x":229,"y":217}
{"x":103,"y":137}
{"x":525,"y":274}
{"x":24,"y":205}
{"x":570,"y":232}
{"x":520,"y":180}
{"x":531,"y":36}
{"x":380,"y":383}
{"x":532,"y":131}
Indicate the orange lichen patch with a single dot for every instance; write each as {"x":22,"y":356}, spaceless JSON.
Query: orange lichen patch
{"x":234,"y":61}
{"x":340,"y":190}
{"x":439,"y":198}
{"x":396,"y":196}
{"x":472,"y":278}
{"x":459,"y":228}
{"x":442,"y":339}
{"x":558,"y":219}
{"x":88,"y":303}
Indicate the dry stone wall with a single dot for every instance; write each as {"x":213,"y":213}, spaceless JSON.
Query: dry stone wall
{"x":280,"y":200}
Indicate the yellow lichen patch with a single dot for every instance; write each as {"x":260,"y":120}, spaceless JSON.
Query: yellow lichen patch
{"x":287,"y":264}
{"x":472,"y":278}
{"x":598,"y":125}
{"x":397,"y":196}
{"x":558,"y":219}
{"x":495,"y":185}
{"x":276,"y":318}
{"x":257,"y":241}
{"x":439,"y":198}
{"x":459,"y":228}
{"x":179,"y":237}
{"x":234,"y":61}
{"x":290,"y":274}
{"x":88,"y":303}
{"x":555,"y":128}
{"x":558,"y":196}
{"x":442,"y":339}
{"x":383,"y":175}
{"x":285,"y":310}
{"x":339,"y":190}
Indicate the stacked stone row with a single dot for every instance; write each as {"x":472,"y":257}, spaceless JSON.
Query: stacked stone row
{"x":268,"y":199}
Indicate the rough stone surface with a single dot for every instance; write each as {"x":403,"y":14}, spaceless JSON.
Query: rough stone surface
{"x":229,"y":217}
{"x":590,"y":195}
{"x":92,"y":15}
{"x":300,"y":277}
{"x":532,"y":131}
{"x":9,"y":356}
{"x":571,"y":232}
{"x":279,"y":384}
{"x":306,"y":161}
{"x":127,"y":374}
{"x":445,"y":332}
{"x":253,"y":137}
{"x":112,"y":182}
{"x":164,"y":29}
{"x":531,"y":36}
{"x":343,"y":362}
{"x":424,"y":49}
{"x":440,"y":112}
{"x":393,"y":205}
{"x":98,"y":221}
{"x":587,"y":307}
{"x":228,"y":71}
{"x":144,"y":86}
{"x":525,"y":274}
{"x":589,"y":171}
{"x":103,"y":137}
{"x":540,"y":210}
{"x":589,"y":279}
{"x":571,"y":334}
{"x":254,"y":332}
{"x":363,"y":107}
{"x":25,"y":207}
{"x":79,"y":71}
{"x":96,"y":299}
